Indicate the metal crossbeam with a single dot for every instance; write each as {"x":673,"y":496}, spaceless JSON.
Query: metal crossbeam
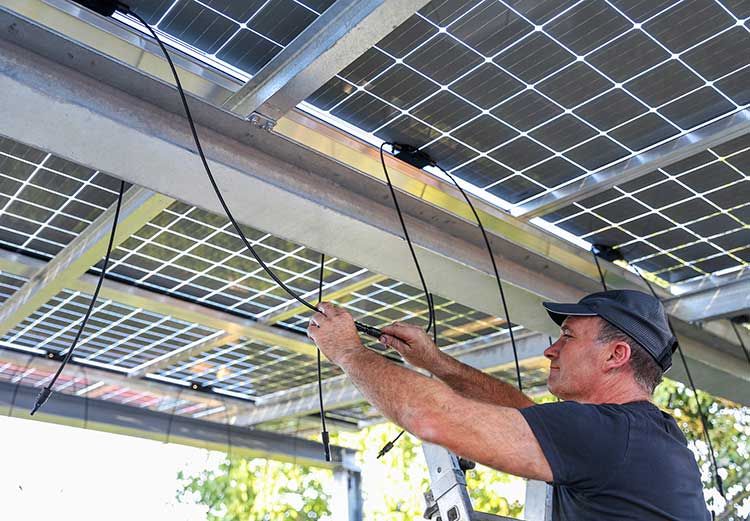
{"x":180,"y":355}
{"x":110,"y":378}
{"x":139,"y":206}
{"x":716,"y":301}
{"x":116,"y":418}
{"x":716,"y":133}
{"x":335,"y":39}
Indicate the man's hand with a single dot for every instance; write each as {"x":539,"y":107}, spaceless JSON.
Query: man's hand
{"x":334,"y":333}
{"x":413,"y":344}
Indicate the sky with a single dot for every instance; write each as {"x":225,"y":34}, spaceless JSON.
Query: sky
{"x":58,"y":472}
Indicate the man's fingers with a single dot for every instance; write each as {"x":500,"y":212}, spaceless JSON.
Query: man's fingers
{"x":317,"y":319}
{"x":408,"y":332}
{"x":395,"y":343}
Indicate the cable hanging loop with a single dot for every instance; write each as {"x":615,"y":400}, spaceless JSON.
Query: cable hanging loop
{"x":362,"y":328}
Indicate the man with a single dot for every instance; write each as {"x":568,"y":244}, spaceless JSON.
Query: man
{"x":608,"y":451}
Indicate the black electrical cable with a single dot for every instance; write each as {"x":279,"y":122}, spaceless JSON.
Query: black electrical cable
{"x":494,"y":267}
{"x":598,"y":268}
{"x":431,"y":310}
{"x":45,"y":393}
{"x":741,"y":341}
{"x":363,"y":328}
{"x":704,"y":420}
{"x":388,"y":446}
{"x":324,"y":433}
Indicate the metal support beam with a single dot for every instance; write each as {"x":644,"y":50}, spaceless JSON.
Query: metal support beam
{"x":180,"y":355}
{"x":110,"y":378}
{"x":139,"y":206}
{"x":307,"y":183}
{"x":115,"y":418}
{"x":348,"y":287}
{"x":723,"y":300}
{"x":538,"y":502}
{"x":716,"y":133}
{"x":346,"y":501}
{"x":341,"y":34}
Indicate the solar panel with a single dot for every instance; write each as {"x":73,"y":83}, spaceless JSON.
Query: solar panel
{"x":549,"y":92}
{"x":46,"y":201}
{"x":248,"y":369}
{"x":244,"y":35}
{"x":682,"y":221}
{"x":78,"y":381}
{"x":117,"y":336}
{"x":196,"y":255}
{"x":9,"y":283}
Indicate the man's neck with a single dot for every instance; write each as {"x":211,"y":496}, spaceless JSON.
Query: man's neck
{"x":616,"y":392}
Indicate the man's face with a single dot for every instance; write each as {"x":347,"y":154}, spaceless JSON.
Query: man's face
{"x":574,"y":359}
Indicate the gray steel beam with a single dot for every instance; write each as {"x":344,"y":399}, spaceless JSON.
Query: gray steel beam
{"x":180,"y":355}
{"x":110,"y":378}
{"x":724,"y":299}
{"x":139,"y":206}
{"x":115,"y":418}
{"x":339,"y":392}
{"x":341,"y":34}
{"x":306,"y":182}
{"x":716,"y":133}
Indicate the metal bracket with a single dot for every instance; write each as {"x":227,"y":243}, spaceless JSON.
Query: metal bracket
{"x":257,"y":119}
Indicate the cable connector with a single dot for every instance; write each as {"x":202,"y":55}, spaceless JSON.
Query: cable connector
{"x":326,"y":445}
{"x":104,"y":7}
{"x":412,"y":155}
{"x":368,"y":330}
{"x":608,"y":253}
{"x":44,"y":395}
{"x":388,"y":446}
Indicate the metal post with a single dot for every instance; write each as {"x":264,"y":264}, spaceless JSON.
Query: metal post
{"x":538,"y":504}
{"x":346,"y":502}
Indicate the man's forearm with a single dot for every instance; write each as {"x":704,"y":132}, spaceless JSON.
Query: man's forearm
{"x":477,"y":385}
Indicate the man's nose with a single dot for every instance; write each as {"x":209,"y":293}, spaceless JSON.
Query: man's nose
{"x":551,"y":352}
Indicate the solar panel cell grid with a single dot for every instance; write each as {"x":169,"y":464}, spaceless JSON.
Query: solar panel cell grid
{"x":117,"y":336}
{"x":249,"y":368}
{"x":580,"y":69}
{"x":196,"y":255}
{"x":683,"y":221}
{"x":46,"y":201}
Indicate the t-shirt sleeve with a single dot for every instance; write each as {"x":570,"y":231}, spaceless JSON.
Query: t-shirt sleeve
{"x":583,"y":443}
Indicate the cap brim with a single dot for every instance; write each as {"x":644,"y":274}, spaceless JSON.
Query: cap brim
{"x":559,"y":312}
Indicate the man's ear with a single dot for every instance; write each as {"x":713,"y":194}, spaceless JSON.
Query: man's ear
{"x":619,"y":355}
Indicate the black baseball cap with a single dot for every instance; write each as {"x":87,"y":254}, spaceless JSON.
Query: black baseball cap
{"x":637,"y":314}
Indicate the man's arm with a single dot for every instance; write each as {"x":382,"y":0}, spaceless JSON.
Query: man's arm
{"x":496,"y":436}
{"x":418,"y":349}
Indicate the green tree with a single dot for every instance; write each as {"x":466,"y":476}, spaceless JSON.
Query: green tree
{"x":259,"y":490}
{"x":729,"y":427}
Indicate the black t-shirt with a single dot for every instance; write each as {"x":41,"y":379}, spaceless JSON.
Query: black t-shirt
{"x":627,"y":461}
